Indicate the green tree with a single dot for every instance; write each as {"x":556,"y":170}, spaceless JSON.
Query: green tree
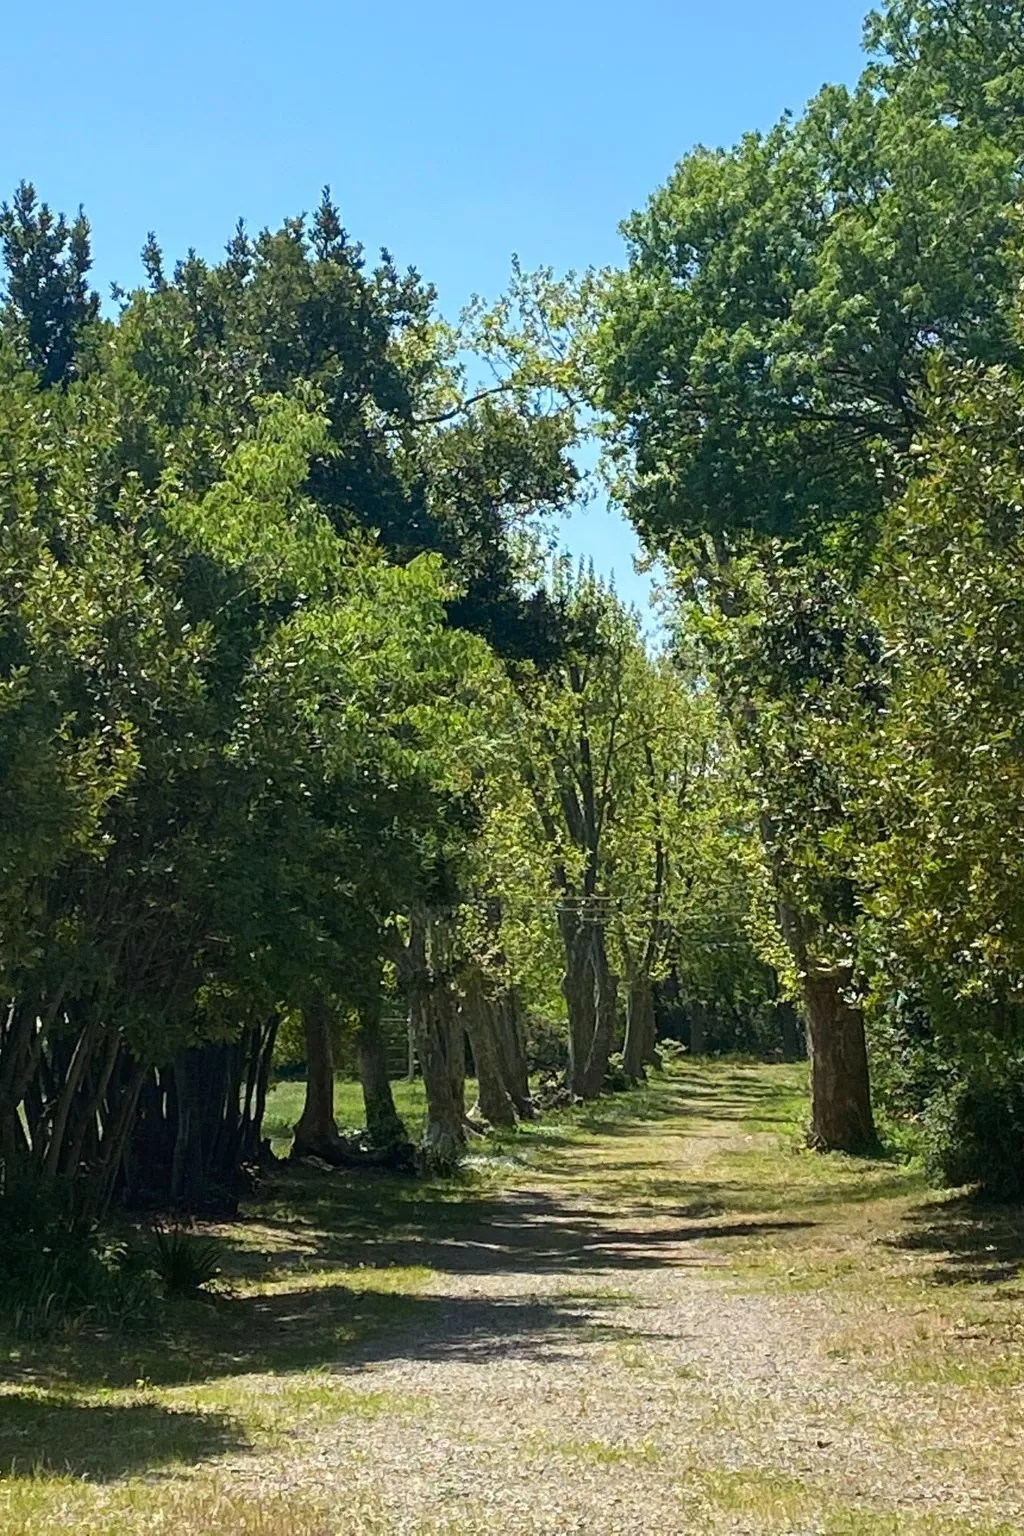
{"x":761,"y":361}
{"x":48,"y":305}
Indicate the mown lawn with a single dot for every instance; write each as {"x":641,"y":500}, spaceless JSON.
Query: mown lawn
{"x":284,"y":1106}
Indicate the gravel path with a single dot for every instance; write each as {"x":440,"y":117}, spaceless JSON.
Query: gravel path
{"x":584,"y":1365}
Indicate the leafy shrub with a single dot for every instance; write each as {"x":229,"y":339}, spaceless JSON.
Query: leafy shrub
{"x":615,"y":1077}
{"x":59,"y":1272}
{"x":973,"y":1130}
{"x":184,"y":1262}
{"x":546,"y":1044}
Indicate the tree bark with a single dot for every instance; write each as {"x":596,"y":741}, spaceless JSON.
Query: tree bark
{"x":477,"y":1011}
{"x":698,"y":1029}
{"x":440,"y":1046}
{"x":578,"y":991}
{"x":792,"y":1045}
{"x":188,"y":1165}
{"x":383,"y":1122}
{"x":515,"y":1073}
{"x":316,"y":1134}
{"x":638,"y":1050}
{"x":444,"y":1136}
{"x":841,"y":1118}
{"x":606,"y":985}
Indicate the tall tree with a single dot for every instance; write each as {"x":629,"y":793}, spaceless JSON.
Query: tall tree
{"x":761,"y":361}
{"x":48,"y":304}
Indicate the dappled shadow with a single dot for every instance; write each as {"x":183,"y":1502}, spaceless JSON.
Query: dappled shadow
{"x":50,"y":1434}
{"x":526,"y":1231}
{"x":973,"y":1241}
{"x":297,"y":1328}
{"x":312,"y":1231}
{"x":303,"y":1318}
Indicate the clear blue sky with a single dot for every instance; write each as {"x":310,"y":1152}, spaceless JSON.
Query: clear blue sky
{"x":453,"y":133}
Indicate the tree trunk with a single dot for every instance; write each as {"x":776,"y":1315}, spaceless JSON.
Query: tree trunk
{"x":316,"y":1134}
{"x":639,"y":1047}
{"x":383,"y":1122}
{"x":188,"y":1165}
{"x":606,"y":986}
{"x":444,"y":1136}
{"x":792,"y":1045}
{"x":256,"y":1091}
{"x":439,"y":1044}
{"x":698,"y":1029}
{"x":841,"y":1118}
{"x":445,"y":1001}
{"x":578,"y":990}
{"x":477,"y":1012}
{"x":508,"y":1015}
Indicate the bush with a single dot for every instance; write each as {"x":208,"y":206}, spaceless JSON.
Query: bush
{"x":615,"y":1077}
{"x":973,"y":1131}
{"x":184,"y":1263}
{"x":57,"y":1271}
{"x":547,"y":1046}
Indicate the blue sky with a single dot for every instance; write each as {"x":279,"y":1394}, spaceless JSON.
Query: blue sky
{"x":454,"y":133}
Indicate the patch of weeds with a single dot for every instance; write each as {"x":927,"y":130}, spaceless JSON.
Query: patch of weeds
{"x":273,"y":1405}
{"x":755,"y":1492}
{"x":634,"y":1357}
{"x":323,"y":1398}
{"x":984,"y":1375}
{"x":389,"y":1280}
{"x":783,"y":1271}
{"x":184,"y":1262}
{"x":862,"y":1522}
{"x":606,"y":1294}
{"x":606,"y":1453}
{"x":193,"y":1508}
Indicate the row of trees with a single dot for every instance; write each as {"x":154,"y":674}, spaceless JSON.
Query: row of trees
{"x":295,"y":707}
{"x":811,"y":374}
{"x":294,"y":710}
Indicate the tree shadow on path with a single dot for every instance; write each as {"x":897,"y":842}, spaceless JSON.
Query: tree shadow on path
{"x":52,"y":1434}
{"x":974,"y":1242}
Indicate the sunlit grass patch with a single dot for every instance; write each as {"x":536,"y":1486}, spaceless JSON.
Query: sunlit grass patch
{"x":767,"y":1495}
{"x":271,"y":1405}
{"x":611,"y":1295}
{"x":103,"y":1435}
{"x":633,"y":1356}
{"x":869,"y":1522}
{"x":605,"y":1453}
{"x":188,"y":1508}
{"x":387,"y":1280}
{"x":981,"y":1374}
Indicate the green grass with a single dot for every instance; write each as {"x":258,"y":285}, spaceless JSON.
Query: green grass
{"x":603,"y":1453}
{"x":284,"y":1106}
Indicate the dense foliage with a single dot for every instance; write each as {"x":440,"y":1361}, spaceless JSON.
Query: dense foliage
{"x":811,"y":368}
